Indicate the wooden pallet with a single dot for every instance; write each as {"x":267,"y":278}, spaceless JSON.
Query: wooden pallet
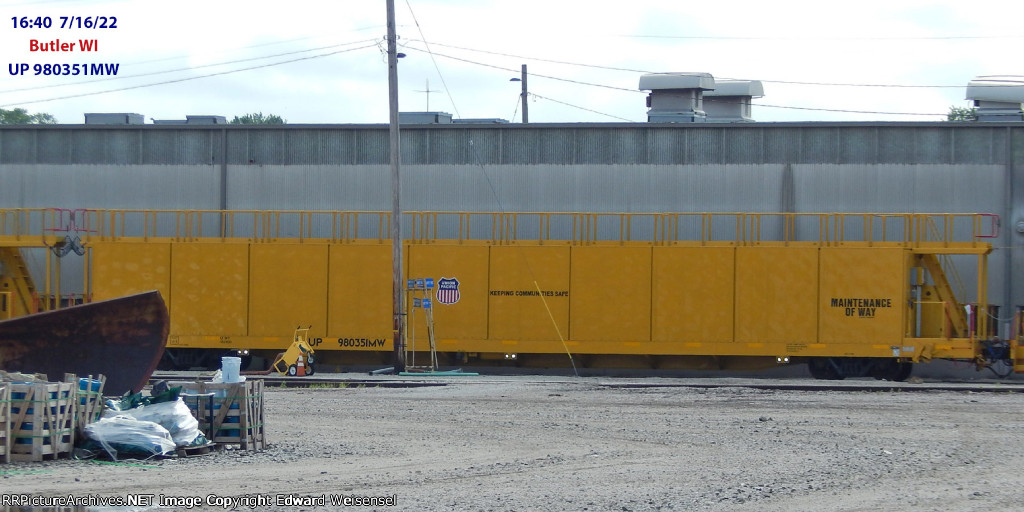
{"x":89,"y":398}
{"x":228,"y":413}
{"x":5,"y":422}
{"x":194,"y":451}
{"x":42,"y":420}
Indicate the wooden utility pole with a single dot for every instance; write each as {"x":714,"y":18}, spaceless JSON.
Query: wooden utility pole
{"x":396,"y":194}
{"x":526,"y":107}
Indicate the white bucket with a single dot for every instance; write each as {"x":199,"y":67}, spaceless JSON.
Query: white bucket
{"x":230,"y":367}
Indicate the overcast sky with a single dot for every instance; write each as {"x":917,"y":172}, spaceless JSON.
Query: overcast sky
{"x":585,"y":58}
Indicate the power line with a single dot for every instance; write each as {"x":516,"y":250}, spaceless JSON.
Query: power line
{"x":827,"y":38}
{"x":581,"y":108}
{"x":190,"y":68}
{"x":432,"y":59}
{"x":187,"y":78}
{"x":538,"y":59}
{"x":569,"y":80}
{"x":787,"y":82}
{"x":706,"y":99}
{"x":249,"y":47}
{"x":819,"y":109}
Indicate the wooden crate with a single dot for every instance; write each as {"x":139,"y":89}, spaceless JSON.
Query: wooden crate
{"x":228,"y":413}
{"x":5,"y":422}
{"x":42,"y":420}
{"x":88,"y":398}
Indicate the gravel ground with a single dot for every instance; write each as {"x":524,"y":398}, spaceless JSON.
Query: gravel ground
{"x":546,"y":443}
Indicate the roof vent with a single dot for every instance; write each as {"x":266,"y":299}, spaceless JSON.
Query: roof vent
{"x":105,"y":118}
{"x":998,"y":98}
{"x":730,"y":101}
{"x":206,"y":120}
{"x":676,"y":97}
{"x":424,"y":118}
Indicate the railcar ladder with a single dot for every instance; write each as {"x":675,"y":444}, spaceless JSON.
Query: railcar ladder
{"x":957,"y":315}
{"x":14,"y":274}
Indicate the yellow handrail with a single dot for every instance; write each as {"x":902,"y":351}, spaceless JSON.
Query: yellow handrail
{"x":918,"y":229}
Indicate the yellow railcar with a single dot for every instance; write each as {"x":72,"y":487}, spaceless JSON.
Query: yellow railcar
{"x":849,"y":294}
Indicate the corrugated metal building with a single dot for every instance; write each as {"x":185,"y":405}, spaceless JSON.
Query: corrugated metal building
{"x":754,"y":167}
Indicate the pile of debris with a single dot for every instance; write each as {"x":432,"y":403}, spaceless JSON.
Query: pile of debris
{"x":39,"y":419}
{"x":43,"y":420}
{"x":137,"y":426}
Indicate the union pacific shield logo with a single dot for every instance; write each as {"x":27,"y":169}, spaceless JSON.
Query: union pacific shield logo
{"x":447,"y":290}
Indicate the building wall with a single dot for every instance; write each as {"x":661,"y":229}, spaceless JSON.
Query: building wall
{"x":759,"y":167}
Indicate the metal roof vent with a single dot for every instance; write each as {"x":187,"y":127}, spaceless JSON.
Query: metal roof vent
{"x":424,"y":118}
{"x":105,"y":118}
{"x":998,"y":98}
{"x":206,"y":120}
{"x":730,"y":101}
{"x":676,"y":97}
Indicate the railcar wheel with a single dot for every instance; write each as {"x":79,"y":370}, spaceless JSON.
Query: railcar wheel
{"x":824,"y":368}
{"x":903,"y":373}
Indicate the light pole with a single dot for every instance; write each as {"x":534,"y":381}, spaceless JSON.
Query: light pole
{"x":396,"y":194}
{"x":523,"y":95}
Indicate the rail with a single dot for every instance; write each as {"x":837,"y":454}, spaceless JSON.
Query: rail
{"x":905,"y":229}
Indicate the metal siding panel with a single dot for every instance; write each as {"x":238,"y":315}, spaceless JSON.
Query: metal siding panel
{"x":12,"y":193}
{"x":666,"y":147}
{"x":54,"y":147}
{"x":415,"y":146}
{"x":610,"y":288}
{"x":782,"y":145}
{"x":692,"y":294}
{"x":372,"y":147}
{"x":556,"y":147}
{"x":17,"y":146}
{"x":820,"y":145}
{"x":265,"y":147}
{"x":449,"y":147}
{"x":209,"y":288}
{"x":776,"y":288}
{"x":122,"y":187}
{"x":315,"y":147}
{"x":858,"y":146}
{"x":743,"y":145}
{"x":932,"y":145}
{"x":898,"y":188}
{"x":175,"y":147}
{"x":514,"y":312}
{"x":704,"y":145}
{"x":593,"y":147}
{"x":358,"y":307}
{"x":862,"y":273}
{"x":895,"y":145}
{"x":519,"y":147}
{"x":314,"y":187}
{"x":287,"y":287}
{"x":976,"y":146}
{"x":466,"y":318}
{"x":628,"y":146}
{"x":483,"y":146}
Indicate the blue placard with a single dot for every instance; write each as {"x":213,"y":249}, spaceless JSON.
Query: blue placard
{"x":411,"y":284}
{"x":416,"y":303}
{"x":426,"y":303}
{"x":419,"y":284}
{"x":430,"y":283}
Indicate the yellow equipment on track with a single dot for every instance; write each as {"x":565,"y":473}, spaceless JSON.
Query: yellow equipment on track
{"x":299,"y":359}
